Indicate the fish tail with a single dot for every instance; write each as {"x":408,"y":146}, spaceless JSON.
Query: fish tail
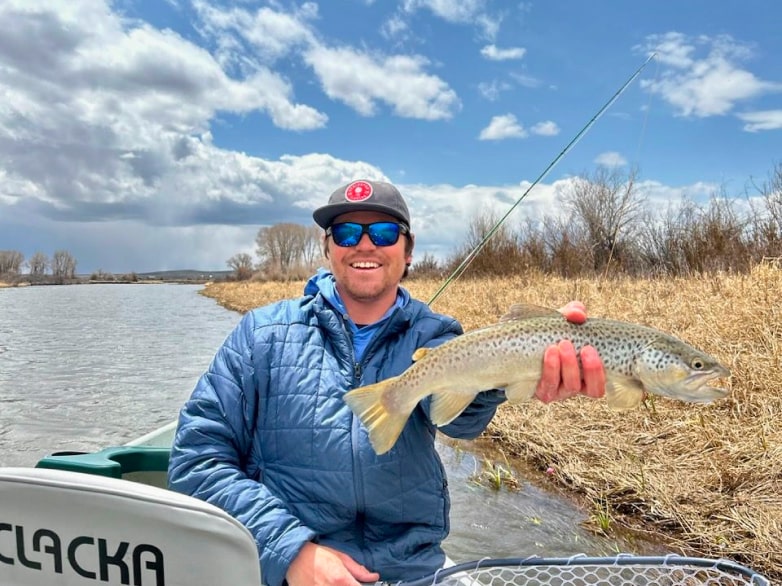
{"x":383,"y":425}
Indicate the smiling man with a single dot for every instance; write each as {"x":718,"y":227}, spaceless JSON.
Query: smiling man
{"x":267,"y":436}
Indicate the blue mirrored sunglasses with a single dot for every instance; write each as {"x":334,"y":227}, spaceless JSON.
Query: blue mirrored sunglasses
{"x":380,"y":233}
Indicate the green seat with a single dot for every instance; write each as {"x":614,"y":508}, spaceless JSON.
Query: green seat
{"x":114,"y":462}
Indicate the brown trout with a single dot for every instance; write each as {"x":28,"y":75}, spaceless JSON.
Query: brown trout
{"x":509,"y":355}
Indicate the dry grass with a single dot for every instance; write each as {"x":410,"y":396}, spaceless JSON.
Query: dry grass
{"x":706,"y":478}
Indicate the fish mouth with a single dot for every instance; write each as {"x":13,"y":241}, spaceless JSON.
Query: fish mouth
{"x":695,"y":389}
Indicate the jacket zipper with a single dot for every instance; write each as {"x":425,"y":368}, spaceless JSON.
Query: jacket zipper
{"x":358,"y":480}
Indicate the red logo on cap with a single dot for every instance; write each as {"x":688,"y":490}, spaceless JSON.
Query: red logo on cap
{"x":358,"y":191}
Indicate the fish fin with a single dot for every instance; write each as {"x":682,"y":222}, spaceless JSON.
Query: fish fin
{"x":521,"y":390}
{"x":382,"y":425}
{"x":446,"y":407}
{"x":420,"y":353}
{"x":527,"y":311}
{"x":624,"y":393}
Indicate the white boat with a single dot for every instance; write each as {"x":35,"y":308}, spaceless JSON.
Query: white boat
{"x":106,"y":518}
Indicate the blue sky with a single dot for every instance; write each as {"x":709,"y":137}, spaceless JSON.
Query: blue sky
{"x":146,"y":135}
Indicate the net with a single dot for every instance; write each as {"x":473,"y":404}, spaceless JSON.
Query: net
{"x":621,"y":570}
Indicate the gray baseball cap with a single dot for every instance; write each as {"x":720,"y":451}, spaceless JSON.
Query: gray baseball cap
{"x":363,"y":195}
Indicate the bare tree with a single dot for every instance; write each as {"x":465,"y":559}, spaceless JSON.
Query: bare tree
{"x":63,"y":265}
{"x":767,"y":222}
{"x":10,"y":261}
{"x":280,"y":247}
{"x":312,"y":252}
{"x":608,"y":206}
{"x":242,"y":265}
{"x":661,"y":240}
{"x":499,"y":254}
{"x":38,"y":264}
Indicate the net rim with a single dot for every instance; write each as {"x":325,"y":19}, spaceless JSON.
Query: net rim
{"x":671,"y":560}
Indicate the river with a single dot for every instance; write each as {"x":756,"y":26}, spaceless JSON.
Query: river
{"x":83,"y":367}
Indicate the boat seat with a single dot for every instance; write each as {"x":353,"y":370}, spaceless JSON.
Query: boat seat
{"x":66,"y":528}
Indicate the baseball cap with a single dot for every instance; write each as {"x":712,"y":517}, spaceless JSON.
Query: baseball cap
{"x":363,"y":195}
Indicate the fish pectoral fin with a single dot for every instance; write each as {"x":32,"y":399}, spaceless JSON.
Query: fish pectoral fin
{"x":624,"y":393}
{"x":521,"y":390}
{"x":420,"y":353}
{"x":446,"y":407}
{"x":519,"y":311}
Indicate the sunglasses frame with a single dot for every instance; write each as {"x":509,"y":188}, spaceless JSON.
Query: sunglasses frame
{"x":366,"y":229}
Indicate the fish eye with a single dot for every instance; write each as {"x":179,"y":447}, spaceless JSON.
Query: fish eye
{"x":697,"y":364}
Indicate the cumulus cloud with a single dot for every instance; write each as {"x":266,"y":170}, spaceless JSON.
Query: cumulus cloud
{"x":502,"y":127}
{"x":356,"y":77}
{"x":610,"y":159}
{"x":361,"y":80}
{"x":761,"y":120}
{"x":459,"y":11}
{"x":494,"y":53}
{"x":703,"y":76}
{"x":105,"y":128}
{"x":545,"y":128}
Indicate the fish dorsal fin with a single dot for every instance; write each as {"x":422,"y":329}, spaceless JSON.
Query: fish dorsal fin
{"x":420,"y":353}
{"x":527,"y":311}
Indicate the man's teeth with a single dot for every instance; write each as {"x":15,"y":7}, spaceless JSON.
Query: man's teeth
{"x":365,"y":265}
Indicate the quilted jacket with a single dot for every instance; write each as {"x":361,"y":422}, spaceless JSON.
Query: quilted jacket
{"x":267,"y":437}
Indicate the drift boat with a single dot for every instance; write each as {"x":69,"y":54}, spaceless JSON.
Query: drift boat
{"x":83,"y":519}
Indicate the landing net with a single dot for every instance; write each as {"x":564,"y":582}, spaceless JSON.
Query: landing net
{"x":621,"y":570}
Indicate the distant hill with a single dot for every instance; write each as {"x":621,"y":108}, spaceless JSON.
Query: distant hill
{"x":185,"y":275}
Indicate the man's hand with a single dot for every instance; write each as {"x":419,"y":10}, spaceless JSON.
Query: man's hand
{"x":318,"y":565}
{"x":562,"y":378}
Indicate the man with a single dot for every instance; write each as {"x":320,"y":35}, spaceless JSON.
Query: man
{"x":267,"y":437}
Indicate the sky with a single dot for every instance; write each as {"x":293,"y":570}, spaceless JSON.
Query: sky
{"x":144,"y":135}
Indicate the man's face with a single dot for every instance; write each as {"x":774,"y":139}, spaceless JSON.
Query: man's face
{"x":366,"y":272}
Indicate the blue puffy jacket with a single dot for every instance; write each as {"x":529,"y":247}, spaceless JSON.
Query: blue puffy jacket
{"x":267,"y":437}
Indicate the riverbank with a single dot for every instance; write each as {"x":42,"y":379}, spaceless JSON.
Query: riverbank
{"x":705,"y":478}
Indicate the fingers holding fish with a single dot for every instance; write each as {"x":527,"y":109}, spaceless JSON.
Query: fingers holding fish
{"x":574,"y":312}
{"x":561,"y":376}
{"x":594,"y":385}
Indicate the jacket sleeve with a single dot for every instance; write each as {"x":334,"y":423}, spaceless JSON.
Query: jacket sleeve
{"x":213,"y":436}
{"x":476,"y":417}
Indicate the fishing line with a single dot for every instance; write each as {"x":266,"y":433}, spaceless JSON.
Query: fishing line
{"x":631,"y":178}
{"x":475,"y":251}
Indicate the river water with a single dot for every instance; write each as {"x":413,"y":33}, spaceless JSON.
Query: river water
{"x":83,"y":367}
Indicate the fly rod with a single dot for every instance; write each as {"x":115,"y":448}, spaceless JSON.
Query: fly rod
{"x":475,"y":251}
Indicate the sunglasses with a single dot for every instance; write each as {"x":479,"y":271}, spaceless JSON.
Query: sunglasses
{"x":380,"y":233}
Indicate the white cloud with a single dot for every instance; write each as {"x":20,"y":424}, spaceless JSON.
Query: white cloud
{"x":502,"y":127}
{"x":459,"y":11}
{"x":526,"y":80}
{"x":494,"y":53}
{"x":273,"y":34}
{"x":394,"y":28}
{"x":610,"y":159}
{"x":761,"y":120}
{"x":361,"y":80}
{"x":355,"y":77}
{"x":702,"y":75}
{"x":492,"y":90}
{"x":545,"y":128}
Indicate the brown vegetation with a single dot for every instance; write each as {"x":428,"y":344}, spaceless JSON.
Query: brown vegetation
{"x":706,"y":478}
